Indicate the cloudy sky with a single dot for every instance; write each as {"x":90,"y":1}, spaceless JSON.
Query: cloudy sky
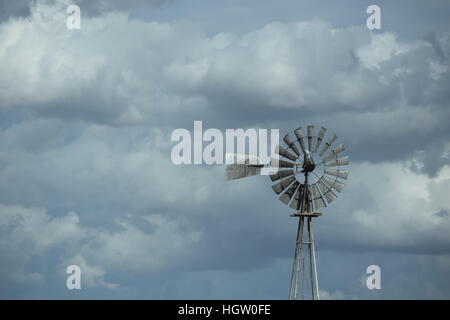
{"x":86,"y":118}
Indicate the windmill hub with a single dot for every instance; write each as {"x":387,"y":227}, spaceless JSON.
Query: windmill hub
{"x":308,"y":162}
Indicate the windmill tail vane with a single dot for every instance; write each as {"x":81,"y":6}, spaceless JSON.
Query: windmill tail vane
{"x":308,"y":176}
{"x":242,"y":166}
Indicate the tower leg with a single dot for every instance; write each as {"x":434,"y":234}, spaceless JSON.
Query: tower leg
{"x":297,"y":262}
{"x":304,"y":281}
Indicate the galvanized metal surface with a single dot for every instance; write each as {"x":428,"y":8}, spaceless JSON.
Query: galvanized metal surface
{"x":304,"y":275}
{"x":325,"y":166}
{"x":294,"y":186}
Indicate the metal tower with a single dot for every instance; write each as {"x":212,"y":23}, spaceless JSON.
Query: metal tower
{"x":304,"y":281}
{"x":294,"y":173}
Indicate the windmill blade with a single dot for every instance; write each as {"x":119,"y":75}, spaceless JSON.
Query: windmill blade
{"x":238,"y":171}
{"x":337,"y":185}
{"x":323,"y":187}
{"x":280,"y":163}
{"x":340,"y":148}
{"x":287,"y":195}
{"x":326,"y":192}
{"x":343,"y":174}
{"x":291,"y":144}
{"x":330,"y":141}
{"x":281,"y":174}
{"x":310,"y":130}
{"x":283,"y":184}
{"x":338,"y":162}
{"x":330,"y":196}
{"x":318,"y":200}
{"x":319,"y":203}
{"x":297,"y":199}
{"x":283,"y":152}
{"x":298,"y":134}
{"x":320,"y":138}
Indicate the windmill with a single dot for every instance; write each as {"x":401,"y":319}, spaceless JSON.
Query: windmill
{"x":307,"y":175}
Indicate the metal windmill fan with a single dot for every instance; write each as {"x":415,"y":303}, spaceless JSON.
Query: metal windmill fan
{"x":324,"y":166}
{"x":308,"y":177}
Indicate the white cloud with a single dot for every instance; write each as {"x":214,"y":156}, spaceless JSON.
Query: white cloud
{"x":335,"y":295}
{"x":33,"y":231}
{"x":27,"y":233}
{"x":388,"y":206}
{"x":91,"y":276}
{"x":381,"y":48}
{"x":132,"y":249}
{"x":162,"y":69}
{"x":138,"y":212}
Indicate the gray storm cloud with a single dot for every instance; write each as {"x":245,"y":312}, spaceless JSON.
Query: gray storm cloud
{"x":85,"y":170}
